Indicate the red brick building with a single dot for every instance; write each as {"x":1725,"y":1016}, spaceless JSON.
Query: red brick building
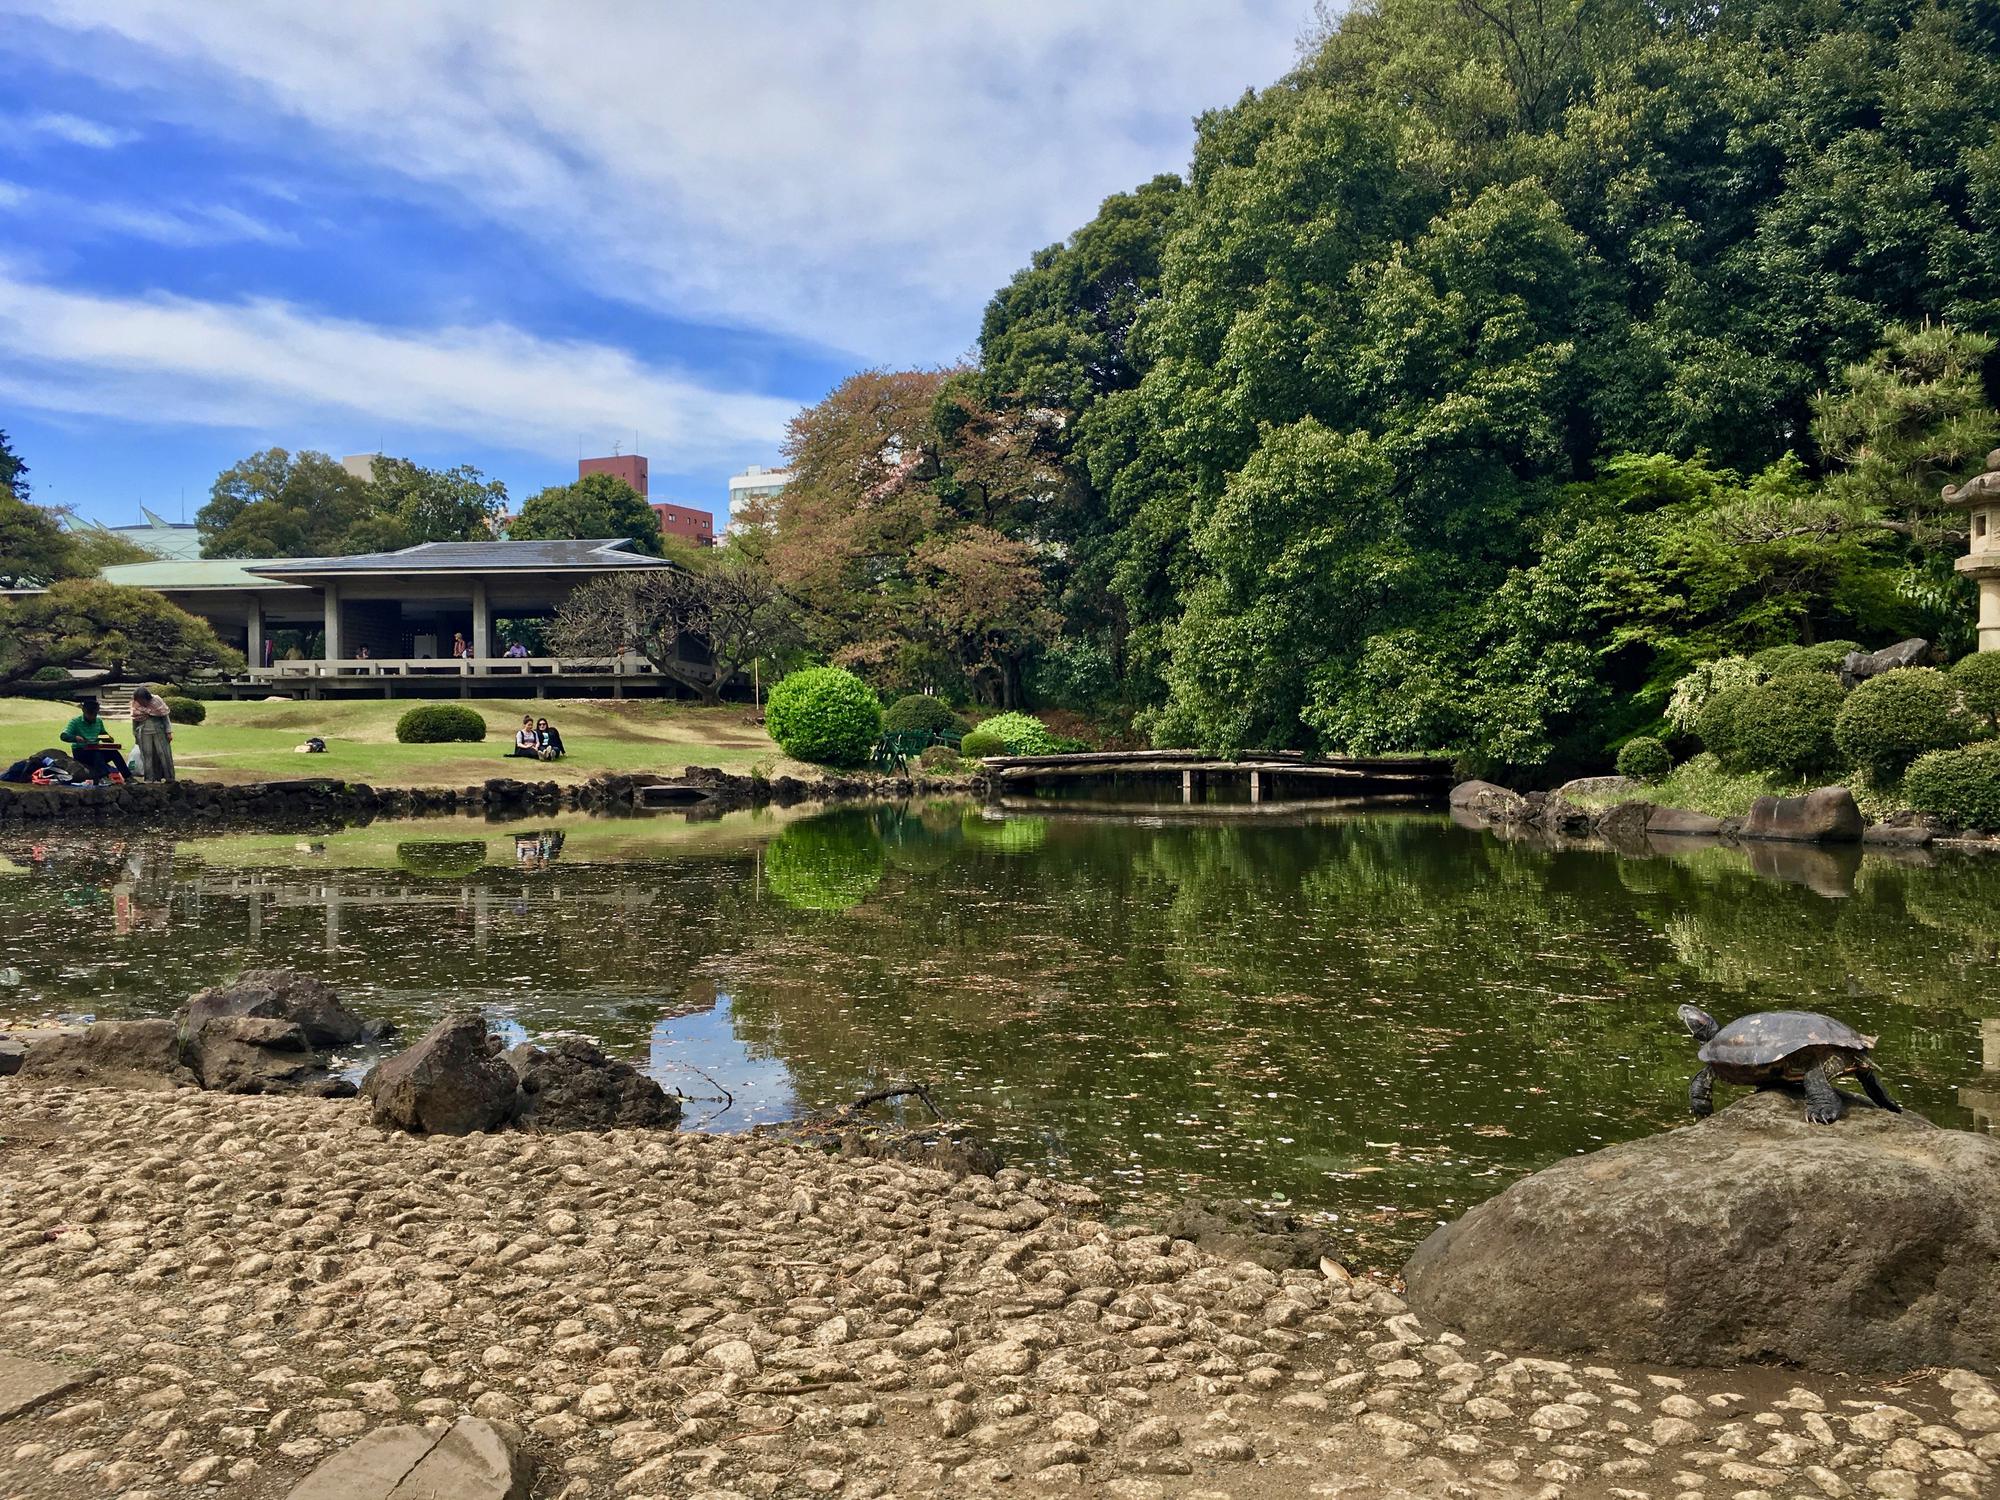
{"x":630,"y":467}
{"x":681,"y":521}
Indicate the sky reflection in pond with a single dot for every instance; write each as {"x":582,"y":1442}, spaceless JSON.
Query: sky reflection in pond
{"x":1375,"y":1016}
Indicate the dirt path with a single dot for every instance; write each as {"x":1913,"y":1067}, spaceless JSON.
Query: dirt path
{"x":260,"y":1280}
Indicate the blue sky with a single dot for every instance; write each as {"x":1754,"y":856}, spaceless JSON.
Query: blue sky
{"x":478,"y":231}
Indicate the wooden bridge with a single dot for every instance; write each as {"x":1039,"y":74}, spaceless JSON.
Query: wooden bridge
{"x":1261,"y":772}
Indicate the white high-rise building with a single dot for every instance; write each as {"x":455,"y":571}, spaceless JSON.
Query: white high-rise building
{"x":756,"y":483}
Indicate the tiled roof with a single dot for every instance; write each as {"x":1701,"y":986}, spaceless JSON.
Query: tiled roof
{"x":196,"y":573}
{"x":472,"y":557}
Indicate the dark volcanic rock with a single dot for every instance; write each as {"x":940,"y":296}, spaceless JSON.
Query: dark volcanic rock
{"x":449,"y":1082}
{"x":1679,"y":822}
{"x":1905,"y":829}
{"x":1624,"y":826}
{"x":282,"y":995}
{"x":111,"y":1054}
{"x":1825,"y":816}
{"x":1871,"y":1244}
{"x":571,"y":1085}
{"x":1858,"y":666}
{"x":258,"y":1055}
{"x":1268,"y":1237}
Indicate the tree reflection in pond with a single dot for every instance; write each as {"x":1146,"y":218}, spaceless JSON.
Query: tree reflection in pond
{"x":1378,"y":1016}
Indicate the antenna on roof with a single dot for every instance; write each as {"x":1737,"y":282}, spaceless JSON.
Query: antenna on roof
{"x":617,"y":448}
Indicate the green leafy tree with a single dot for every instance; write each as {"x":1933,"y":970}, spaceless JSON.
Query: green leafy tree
{"x":410,"y":504}
{"x":11,"y":470}
{"x":34,"y":548}
{"x":279,"y":504}
{"x":597,"y":506}
{"x":133,"y":632}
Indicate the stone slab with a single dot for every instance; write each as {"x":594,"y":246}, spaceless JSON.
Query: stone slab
{"x":370,"y":1467}
{"x":27,"y":1383}
{"x":471,"y":1460}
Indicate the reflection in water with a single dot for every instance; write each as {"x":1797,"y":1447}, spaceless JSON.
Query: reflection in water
{"x":1376,"y":1016}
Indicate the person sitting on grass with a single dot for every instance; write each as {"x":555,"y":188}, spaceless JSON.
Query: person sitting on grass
{"x":526,"y":742}
{"x":92,"y":745}
{"x":548,"y":740}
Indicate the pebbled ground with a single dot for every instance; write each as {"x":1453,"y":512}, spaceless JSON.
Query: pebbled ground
{"x":261,"y":1280}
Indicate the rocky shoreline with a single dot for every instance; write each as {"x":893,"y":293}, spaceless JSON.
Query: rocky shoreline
{"x":327,"y":799}
{"x":255,"y":1282}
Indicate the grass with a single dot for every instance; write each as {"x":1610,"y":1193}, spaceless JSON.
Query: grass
{"x":1701,"y":785}
{"x":242,"y":742}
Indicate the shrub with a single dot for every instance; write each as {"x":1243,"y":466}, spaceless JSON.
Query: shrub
{"x":918,"y":711}
{"x":1960,"y":786}
{"x":440,"y":723}
{"x":51,"y":674}
{"x":185,"y":710}
{"x":939,"y":758}
{"x":1022,"y":734}
{"x":1698,"y":689}
{"x":1786,"y":724}
{"x":980,"y":743}
{"x":1644,"y":758}
{"x":1888,"y":721}
{"x":824,"y":715}
{"x":1977,"y":678}
{"x":1716,"y":726}
{"x":1794,"y":661}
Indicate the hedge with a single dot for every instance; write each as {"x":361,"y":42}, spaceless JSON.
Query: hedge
{"x":1977,"y":678}
{"x":1786,"y":725}
{"x":440,"y":723}
{"x":1716,"y":727}
{"x":824,"y":715}
{"x":1960,"y":786}
{"x":979,"y":743}
{"x":1022,"y":734}
{"x":184,"y":710}
{"x":920,"y":711}
{"x":1644,"y":758}
{"x":1889,"y":721}
{"x":1791,"y":661}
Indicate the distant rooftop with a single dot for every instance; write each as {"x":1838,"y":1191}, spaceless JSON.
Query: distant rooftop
{"x":194,"y":573}
{"x":474,"y":557}
{"x":170,"y":539}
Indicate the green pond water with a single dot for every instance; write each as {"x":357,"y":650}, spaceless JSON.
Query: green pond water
{"x":1374,"y":1016}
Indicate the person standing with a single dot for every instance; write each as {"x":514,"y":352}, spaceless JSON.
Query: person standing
{"x":92,"y":745}
{"x":153,"y":734}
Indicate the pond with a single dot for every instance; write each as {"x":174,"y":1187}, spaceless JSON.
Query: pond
{"x":1372,"y":1015}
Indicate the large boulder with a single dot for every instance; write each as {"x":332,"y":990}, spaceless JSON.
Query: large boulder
{"x":111,"y":1054}
{"x":1681,"y":823}
{"x":1871,"y":1244}
{"x":284,"y":995}
{"x":1822,"y":817}
{"x":258,"y":1055}
{"x":452,"y":1081}
{"x":1488,"y":802}
{"x":1858,"y":666}
{"x":571,"y":1085}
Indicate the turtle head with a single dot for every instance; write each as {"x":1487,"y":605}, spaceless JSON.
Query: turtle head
{"x":1700,"y":1024}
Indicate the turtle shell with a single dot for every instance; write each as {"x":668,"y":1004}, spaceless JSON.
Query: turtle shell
{"x":1769,"y":1036}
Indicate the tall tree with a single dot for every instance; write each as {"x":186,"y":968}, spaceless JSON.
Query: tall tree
{"x":11,"y":470}
{"x":279,"y":504}
{"x":410,"y":504}
{"x":595,"y":507}
{"x":34,"y":548}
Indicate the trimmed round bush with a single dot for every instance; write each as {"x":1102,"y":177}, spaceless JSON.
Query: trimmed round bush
{"x":1644,"y":758}
{"x":184,"y":710}
{"x":920,"y":711}
{"x":1792,"y":661}
{"x":1022,"y":734}
{"x":1977,"y":678}
{"x":1960,"y":786}
{"x":440,"y":723}
{"x":1716,"y":727}
{"x":979,"y":744}
{"x":1786,"y":725}
{"x":824,"y":715}
{"x":50,"y":674}
{"x":1888,"y":721}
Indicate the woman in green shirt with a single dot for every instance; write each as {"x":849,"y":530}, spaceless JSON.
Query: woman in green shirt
{"x":91,"y":743}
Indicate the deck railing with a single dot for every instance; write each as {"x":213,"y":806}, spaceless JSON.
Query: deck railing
{"x":628,"y":665}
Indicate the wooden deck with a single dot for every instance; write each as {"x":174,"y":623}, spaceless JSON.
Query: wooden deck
{"x":1262,"y":771}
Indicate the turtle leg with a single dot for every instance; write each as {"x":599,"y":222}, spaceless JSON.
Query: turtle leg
{"x":1873,"y":1087}
{"x":1823,"y":1105}
{"x":1701,"y":1094}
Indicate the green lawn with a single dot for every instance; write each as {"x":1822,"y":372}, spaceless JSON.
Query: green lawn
{"x":255,"y":741}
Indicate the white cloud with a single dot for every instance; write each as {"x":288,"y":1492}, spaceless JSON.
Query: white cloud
{"x":78,"y":131}
{"x":862,"y":174}
{"x":179,"y":226}
{"x":271,"y":367}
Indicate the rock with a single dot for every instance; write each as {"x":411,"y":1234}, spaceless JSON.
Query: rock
{"x":1857,"y":666}
{"x":1824,"y":816}
{"x":11,"y":1054}
{"x":111,"y":1054}
{"x":470,"y":1460}
{"x":244,"y":1054}
{"x":284,"y":995}
{"x":1680,"y":822}
{"x":1905,"y":829}
{"x":1752,"y":1236}
{"x":448,"y":1083}
{"x":28,"y":1383}
{"x":1595,"y":786}
{"x":1486,"y":801}
{"x":571,"y":1085}
{"x":1234,"y":1230}
{"x":1625,"y":825}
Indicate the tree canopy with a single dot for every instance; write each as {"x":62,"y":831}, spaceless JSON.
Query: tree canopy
{"x":133,"y":632}
{"x":280,"y":504}
{"x":595,"y":506}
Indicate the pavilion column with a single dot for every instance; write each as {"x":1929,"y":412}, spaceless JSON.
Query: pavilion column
{"x":254,"y":646}
{"x":482,"y":620}
{"x":332,"y":650}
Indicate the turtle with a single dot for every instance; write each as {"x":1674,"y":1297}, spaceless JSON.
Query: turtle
{"x":1780,"y":1048}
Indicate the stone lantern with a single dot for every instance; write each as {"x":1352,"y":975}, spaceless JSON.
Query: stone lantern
{"x":1981,"y":497}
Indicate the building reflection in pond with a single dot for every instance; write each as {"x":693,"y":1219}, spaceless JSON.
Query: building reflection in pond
{"x":1981,"y":1097}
